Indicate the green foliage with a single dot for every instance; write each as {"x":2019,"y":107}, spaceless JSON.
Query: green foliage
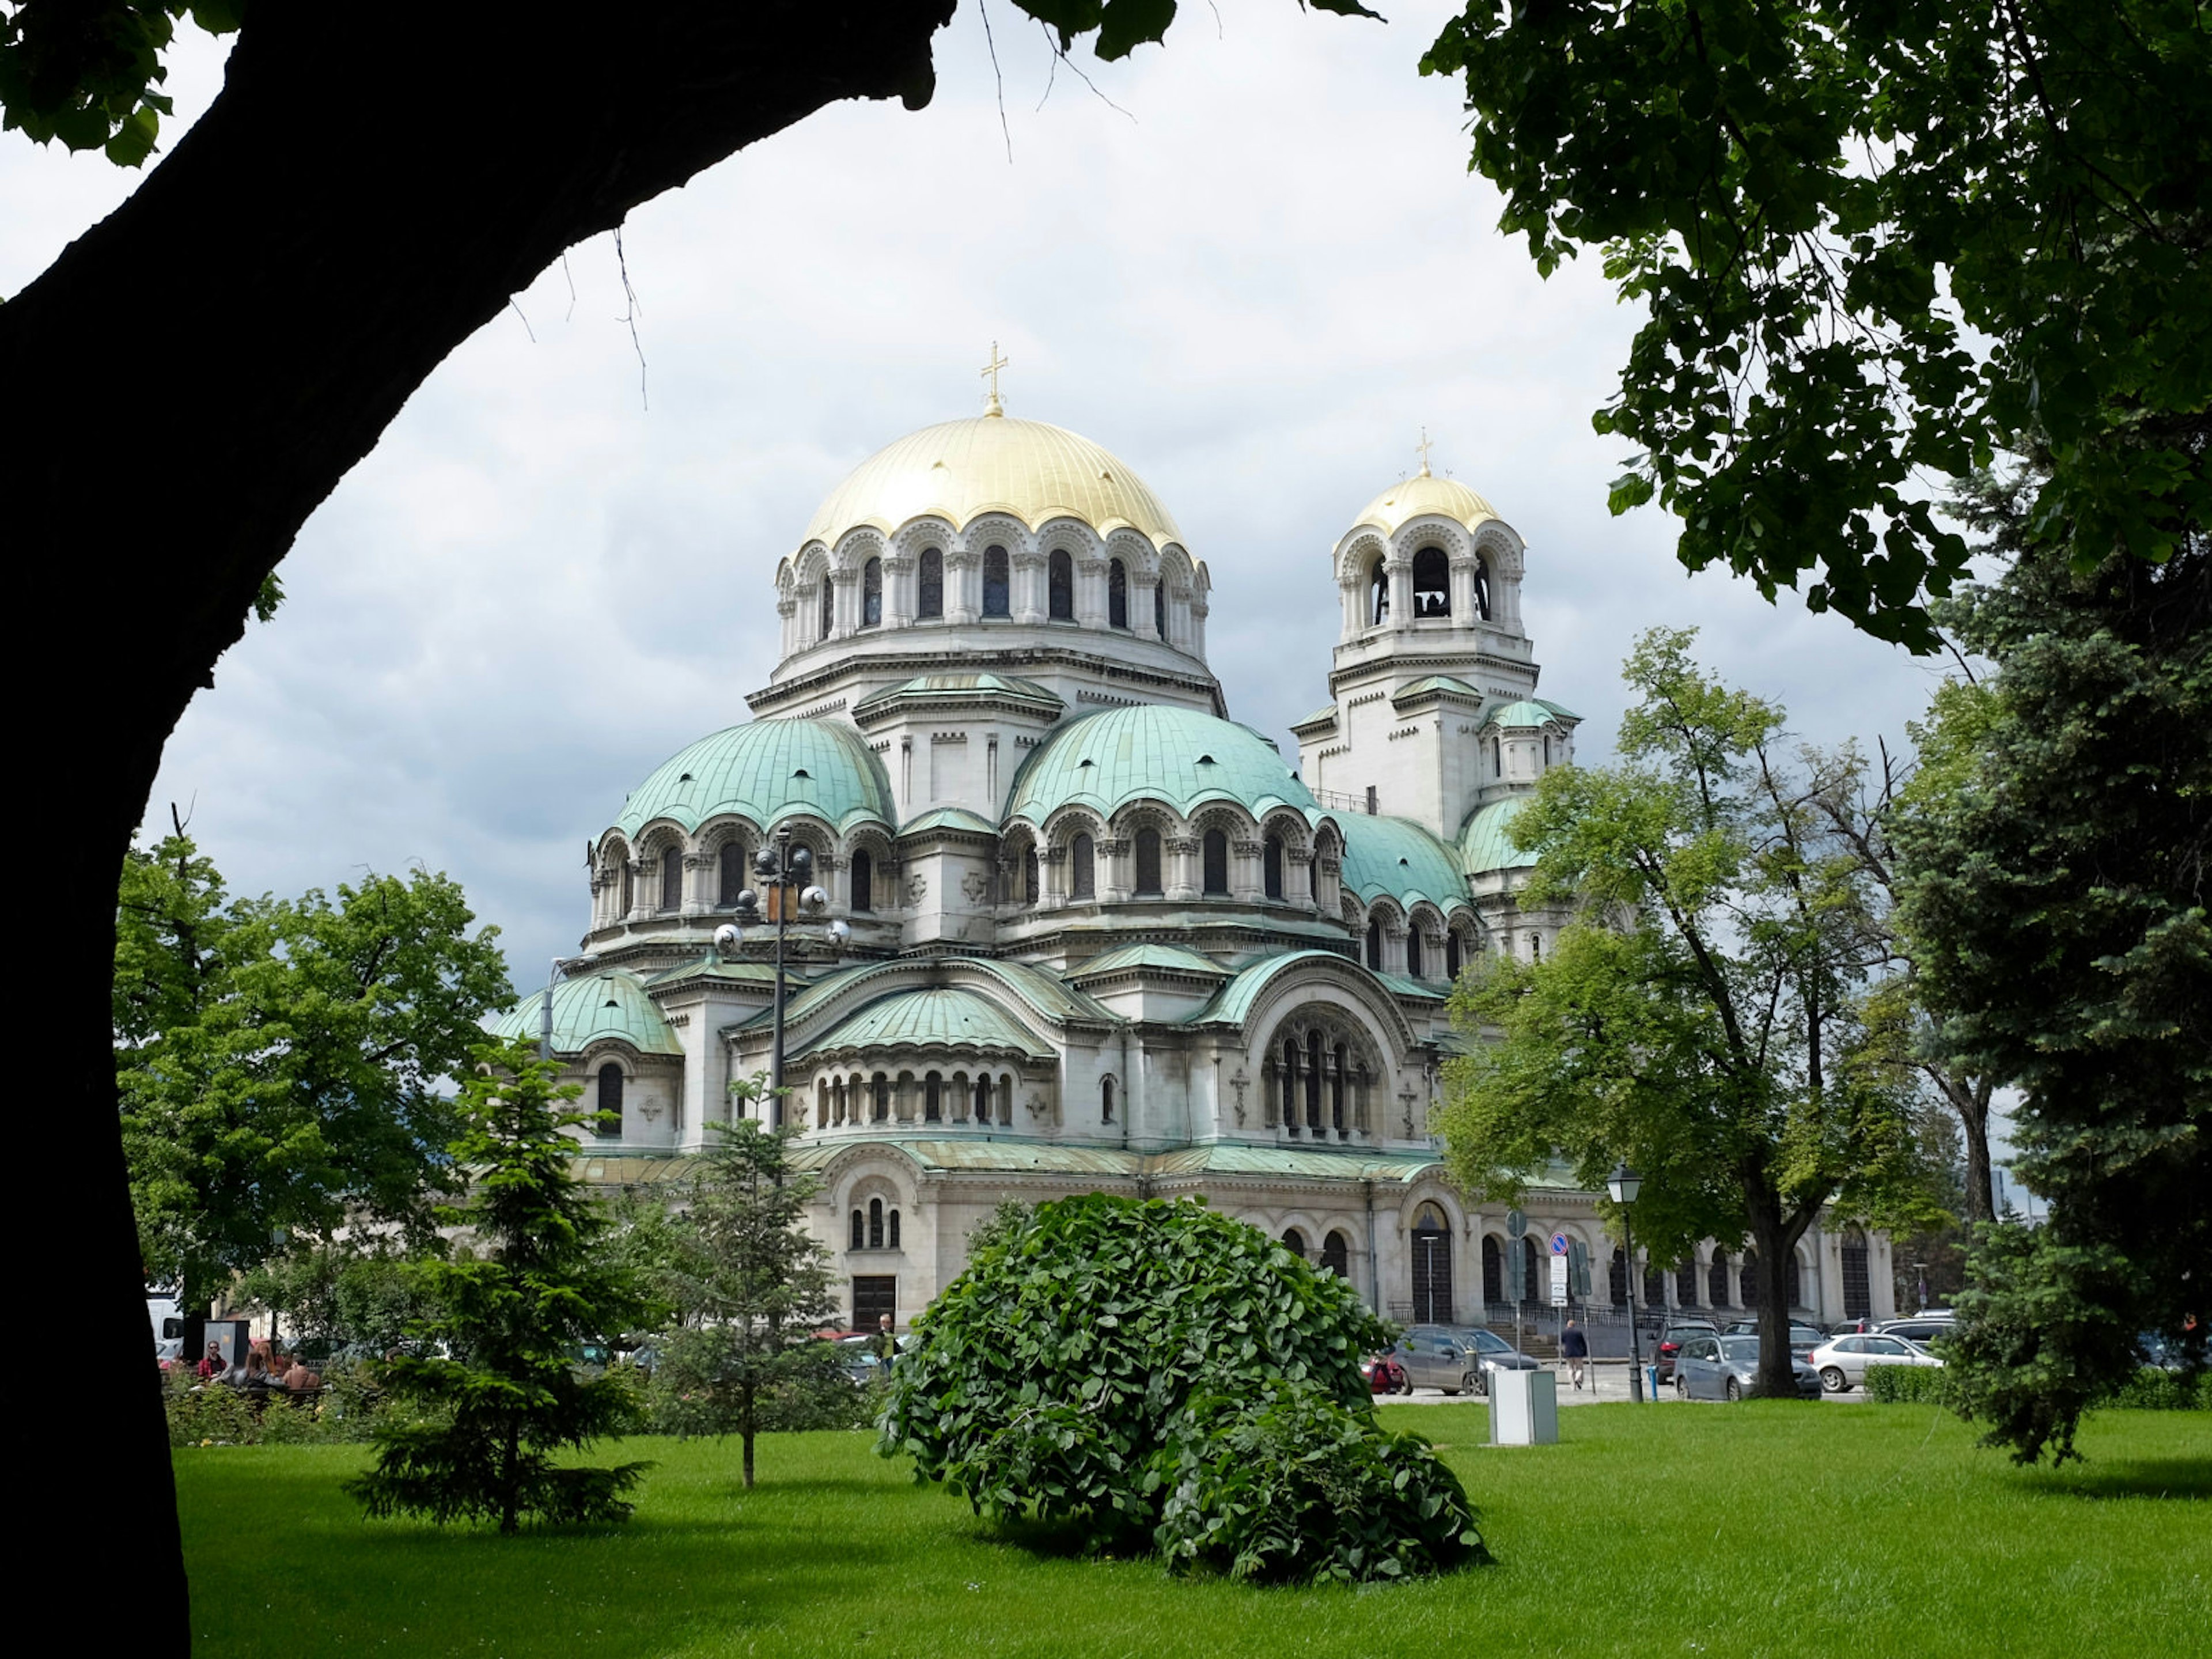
{"x":750,"y":1285}
{"x":1910,"y":1385}
{"x":280,"y":1062}
{"x":84,"y":71}
{"x":2053,"y":893}
{"x":1820,"y":205}
{"x":354,"y":1294}
{"x":2151,"y":1390}
{"x":1049,"y":1374}
{"x":1284,"y":1484}
{"x":473,"y":1430}
{"x":1124,"y":25}
{"x":1704,"y":1016}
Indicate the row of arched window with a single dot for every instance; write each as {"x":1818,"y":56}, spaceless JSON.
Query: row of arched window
{"x":875,"y":1229}
{"x":1335,"y":1250}
{"x":732,"y":875}
{"x":1432,"y":587}
{"x":998,"y":592}
{"x":1416,"y":951}
{"x":1213,"y":866}
{"x":846,"y":1100}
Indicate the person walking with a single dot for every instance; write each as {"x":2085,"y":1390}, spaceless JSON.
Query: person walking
{"x":1574,"y":1348}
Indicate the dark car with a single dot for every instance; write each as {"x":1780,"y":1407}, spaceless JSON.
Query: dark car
{"x":1726,"y":1367}
{"x":1458,"y":1359}
{"x":1923,"y":1328}
{"x":1670,"y":1343}
{"x":1803,"y":1338}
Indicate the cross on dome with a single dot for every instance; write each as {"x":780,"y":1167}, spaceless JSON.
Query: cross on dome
{"x":1422,"y":447}
{"x":991,"y":405}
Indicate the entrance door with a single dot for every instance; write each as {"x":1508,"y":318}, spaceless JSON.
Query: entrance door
{"x":1432,"y":1268}
{"x":874,"y":1295}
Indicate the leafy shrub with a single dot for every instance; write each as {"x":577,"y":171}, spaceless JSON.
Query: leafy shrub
{"x":1287,"y":1484}
{"x":284,"y":1422}
{"x":1910,"y":1385}
{"x":1052,"y":1381}
{"x":208,"y":1415}
{"x":2151,"y":1390}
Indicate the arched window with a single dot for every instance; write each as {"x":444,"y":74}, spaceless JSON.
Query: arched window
{"x":1081,"y":881}
{"x":1717,"y":1281}
{"x":1291,"y":1084}
{"x":671,"y":878}
{"x":1535,"y":945}
{"x":608,"y":1126}
{"x":1160,"y":609}
{"x":1858,"y":1287}
{"x":929,"y":585}
{"x":859,"y":1233}
{"x":829,"y":607}
{"x":1060,"y":586}
{"x":731,"y":862}
{"x":933,"y":1098}
{"x":1497,"y":760}
{"x":1413,"y":952}
{"x":864,"y":882}
{"x":1482,"y":587}
{"x":1030,"y":884}
{"x":1432,"y":583}
{"x":1295,"y":1243}
{"x":982,"y":1100}
{"x":1313,"y":1081}
{"x":1271,"y":867}
{"x":1493,"y":1271}
{"x":1375,"y":943}
{"x":1117,"y":594}
{"x":1106,"y":1100}
{"x":1336,"y":1255}
{"x":1217,"y":862}
{"x":1451,"y":957}
{"x":879,"y":1098}
{"x":1432,"y":1267}
{"x":1148,"y":863}
{"x":1378,"y":595}
{"x":875,"y":1223}
{"x":872,"y":593}
{"x":1336,"y":1076}
{"x":894,"y":1239}
{"x":998,"y":584}
{"x":629,"y":895}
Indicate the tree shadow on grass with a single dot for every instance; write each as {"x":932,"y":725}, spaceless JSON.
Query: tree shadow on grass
{"x":2185,"y":1478}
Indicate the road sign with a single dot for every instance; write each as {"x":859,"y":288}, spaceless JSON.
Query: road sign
{"x":1558,"y":1243}
{"x":1517,"y":1225}
{"x":1558,"y":1281}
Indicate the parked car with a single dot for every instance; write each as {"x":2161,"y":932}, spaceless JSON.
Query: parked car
{"x":1803,"y":1338}
{"x":1671,"y":1339}
{"x":1385,"y":1375}
{"x":1458,"y":1359}
{"x":1852,"y":1326}
{"x":1922,"y":1327}
{"x":1725,"y":1368}
{"x":1842,"y":1361}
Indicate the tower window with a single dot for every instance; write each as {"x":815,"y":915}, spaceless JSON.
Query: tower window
{"x":1451,"y":957}
{"x":608,"y":1126}
{"x":929,"y":596}
{"x":1160,"y":609}
{"x":1106,"y":1101}
{"x":933,"y":1098}
{"x":875,"y":1223}
{"x":864,"y":882}
{"x":1375,"y":944}
{"x":1432,"y":583}
{"x":671,"y":878}
{"x":872,"y":594}
{"x":829,"y":607}
{"x":998,"y":585}
{"x":1117,"y":595}
{"x":1378,"y":595}
{"x":860,"y":1234}
{"x":1148,"y":863}
{"x":732,"y":873}
{"x":1271,"y":860}
{"x":1030,"y":883}
{"x":1482,"y":588}
{"x":1217,"y":863}
{"x":1413,"y":952}
{"x":1081,"y":882}
{"x":1060,"y":586}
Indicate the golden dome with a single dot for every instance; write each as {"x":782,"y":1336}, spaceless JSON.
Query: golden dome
{"x":991,"y":464}
{"x":1425,"y":494}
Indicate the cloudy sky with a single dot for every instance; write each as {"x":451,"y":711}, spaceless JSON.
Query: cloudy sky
{"x":1252,"y":264}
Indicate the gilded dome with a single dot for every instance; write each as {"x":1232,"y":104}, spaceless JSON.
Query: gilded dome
{"x":1425,"y":493}
{"x":960,"y":469}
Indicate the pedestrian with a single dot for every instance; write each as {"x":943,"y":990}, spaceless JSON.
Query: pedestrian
{"x":886,"y":1342}
{"x":299,"y":1380}
{"x":212,"y":1363}
{"x":1574,"y":1348}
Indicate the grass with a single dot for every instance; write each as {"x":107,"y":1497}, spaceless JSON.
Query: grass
{"x":1765,"y":1529}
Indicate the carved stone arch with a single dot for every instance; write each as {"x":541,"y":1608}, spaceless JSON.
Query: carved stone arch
{"x":813,"y":563}
{"x":614,"y":851}
{"x":655,"y":838}
{"x":856,"y":547}
{"x":1136,"y":552}
{"x":908,"y":540}
{"x":1070,"y":536}
{"x":1429,"y":921}
{"x":786,"y":577}
{"x":1431,"y":531}
{"x":1066,"y":822}
{"x":599,"y":1052}
{"x":1174,"y":569}
{"x":1355,"y":916}
{"x":730,"y":826}
{"x":1289,"y":824}
{"x":1327,"y":838}
{"x":1227,"y":816}
{"x":1388,"y":911}
{"x":1145,"y":813}
{"x":1355,"y":560}
{"x":1496,"y":542}
{"x":1328,"y":976}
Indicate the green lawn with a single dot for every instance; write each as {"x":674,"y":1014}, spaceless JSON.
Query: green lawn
{"x":1763,"y":1528}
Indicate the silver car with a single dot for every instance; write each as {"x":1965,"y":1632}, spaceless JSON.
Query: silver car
{"x":1726,"y":1368}
{"x":1458,"y":1359}
{"x":1842,"y":1361}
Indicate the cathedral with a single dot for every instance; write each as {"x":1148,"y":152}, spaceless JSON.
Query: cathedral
{"x":1083,"y":931}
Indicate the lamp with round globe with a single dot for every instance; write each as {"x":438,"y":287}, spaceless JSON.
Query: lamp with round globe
{"x":782,"y":867}
{"x":1623,"y":1185}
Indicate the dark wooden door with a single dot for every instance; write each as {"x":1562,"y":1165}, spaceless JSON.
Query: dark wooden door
{"x":874,"y":1295}
{"x":1432,"y":1276}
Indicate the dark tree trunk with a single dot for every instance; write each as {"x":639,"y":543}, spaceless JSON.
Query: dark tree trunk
{"x":1773,"y":1238}
{"x":194,"y":374}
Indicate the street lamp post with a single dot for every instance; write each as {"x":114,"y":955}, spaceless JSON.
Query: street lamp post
{"x":1624,"y":1186}
{"x":782,"y":867}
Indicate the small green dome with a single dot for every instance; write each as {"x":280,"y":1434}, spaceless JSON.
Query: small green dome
{"x":612,"y":1003}
{"x":1531,"y":711}
{"x":1486,"y":845}
{"x":1176,"y":755}
{"x":1398,"y":859}
{"x":765,"y":771}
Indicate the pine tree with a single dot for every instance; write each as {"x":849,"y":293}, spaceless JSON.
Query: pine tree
{"x":490,"y":1413}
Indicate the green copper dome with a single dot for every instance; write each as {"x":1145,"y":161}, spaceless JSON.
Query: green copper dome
{"x":1176,"y":755}
{"x":1486,"y":845}
{"x":1397,"y":858}
{"x":766,"y":771}
{"x":612,"y":1004}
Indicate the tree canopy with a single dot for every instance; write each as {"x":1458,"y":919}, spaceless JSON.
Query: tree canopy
{"x":1874,"y":244}
{"x":284,"y":1065}
{"x":1702,"y":1016}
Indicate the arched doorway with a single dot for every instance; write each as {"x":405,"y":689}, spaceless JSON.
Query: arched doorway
{"x":1858,"y":1285}
{"x":1432,"y":1267}
{"x":1493,"y":1271}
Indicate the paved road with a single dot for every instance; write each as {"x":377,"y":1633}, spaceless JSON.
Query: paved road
{"x":1606,"y":1381}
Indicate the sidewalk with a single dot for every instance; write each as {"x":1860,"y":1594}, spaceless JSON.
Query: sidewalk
{"x":1606,"y":1380}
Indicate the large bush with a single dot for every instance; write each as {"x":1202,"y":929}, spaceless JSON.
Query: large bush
{"x":1910,"y":1385}
{"x":1057,"y":1378}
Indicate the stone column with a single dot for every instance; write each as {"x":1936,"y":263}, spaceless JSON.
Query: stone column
{"x":1052,"y":878}
{"x":1198,"y":610}
{"x":898,"y":592}
{"x":1090,"y":591}
{"x":1141,"y":607}
{"x":1111,"y":869}
{"x":845,"y":617}
{"x":700,"y":872}
{"x":1297,"y":876}
{"x":1400,"y":574}
{"x":1028,"y":577}
{"x":964,"y":585}
{"x":1248,"y":875}
{"x":1182,"y":867}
